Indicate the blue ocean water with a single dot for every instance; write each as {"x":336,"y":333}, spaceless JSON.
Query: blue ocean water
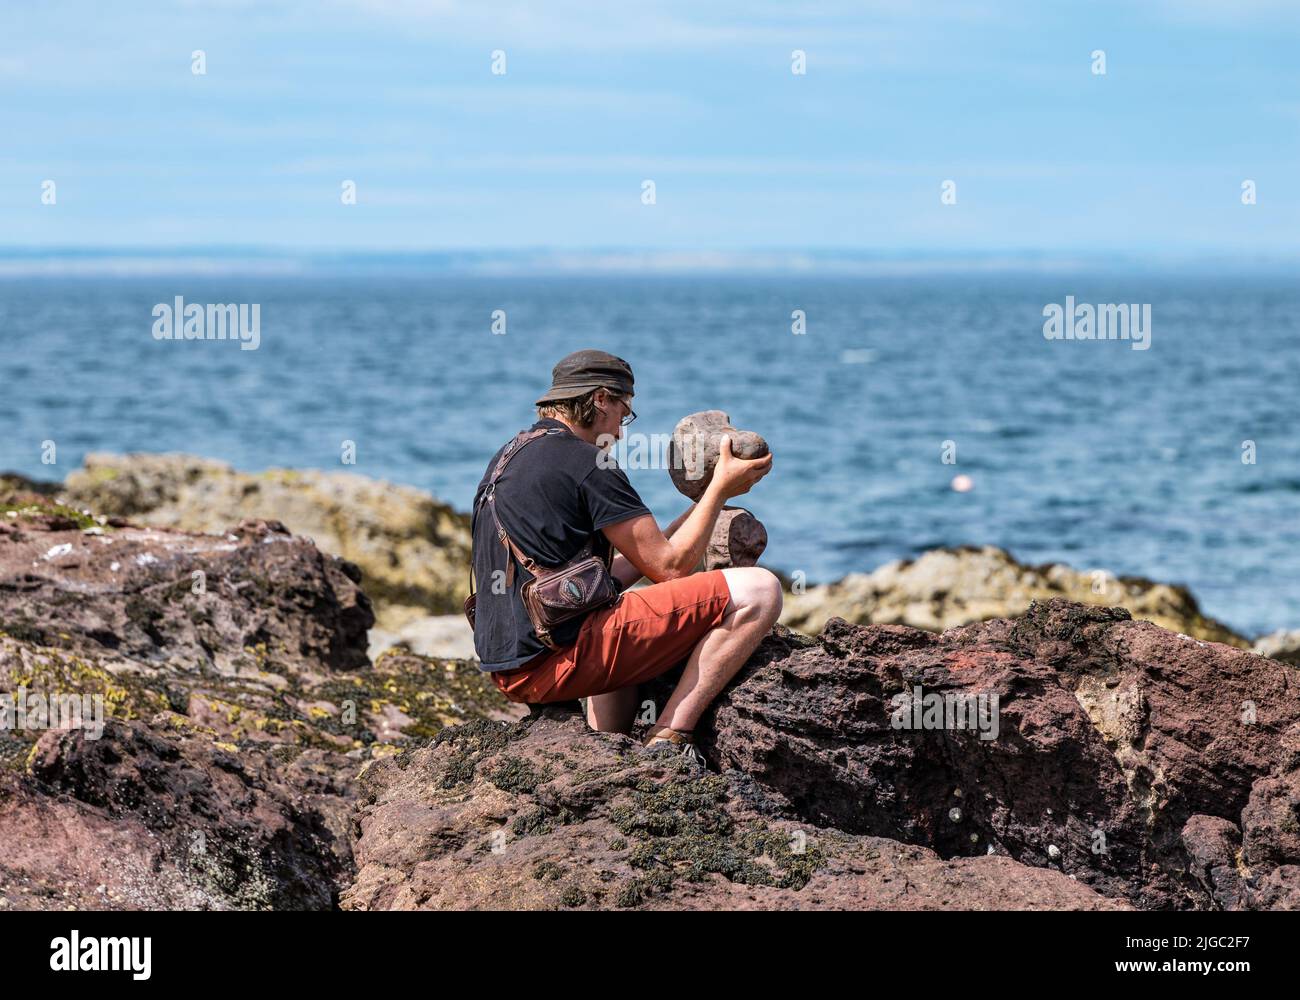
{"x":1087,"y":452}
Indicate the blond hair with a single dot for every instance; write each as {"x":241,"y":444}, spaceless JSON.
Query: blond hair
{"x":580,"y":410}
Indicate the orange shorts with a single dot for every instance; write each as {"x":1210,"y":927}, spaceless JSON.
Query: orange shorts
{"x":647,"y":633}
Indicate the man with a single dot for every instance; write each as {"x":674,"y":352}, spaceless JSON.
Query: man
{"x":563,"y":490}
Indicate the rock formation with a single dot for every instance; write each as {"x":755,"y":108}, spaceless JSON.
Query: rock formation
{"x":544,"y":814}
{"x":1122,"y":750}
{"x":944,"y":588}
{"x":412,"y":549}
{"x":440,"y":636}
{"x":240,"y":708}
{"x":1283,"y":645}
{"x":195,"y":601}
{"x":15,"y":489}
{"x":254,"y":757}
{"x":1124,"y":765}
{"x":191,"y":823}
{"x":694,"y":448}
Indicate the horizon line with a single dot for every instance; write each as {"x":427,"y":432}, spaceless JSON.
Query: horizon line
{"x":254,"y":260}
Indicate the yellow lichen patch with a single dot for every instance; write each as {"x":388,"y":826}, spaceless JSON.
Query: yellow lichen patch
{"x":184,"y":724}
{"x":229,"y":710}
{"x":31,"y":757}
{"x":54,"y":672}
{"x":103,"y":474}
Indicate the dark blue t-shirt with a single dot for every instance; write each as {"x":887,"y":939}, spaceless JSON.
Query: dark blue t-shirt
{"x":555,"y":494}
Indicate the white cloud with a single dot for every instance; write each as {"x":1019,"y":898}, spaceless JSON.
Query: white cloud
{"x":649,"y":24}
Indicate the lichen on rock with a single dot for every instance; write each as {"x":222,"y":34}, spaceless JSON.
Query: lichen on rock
{"x":484,"y":817}
{"x":947,"y":587}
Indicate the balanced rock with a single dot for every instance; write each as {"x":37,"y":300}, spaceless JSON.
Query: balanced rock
{"x":738,"y":539}
{"x":695,"y":446}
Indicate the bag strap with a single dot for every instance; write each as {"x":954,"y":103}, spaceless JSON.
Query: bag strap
{"x":516,"y":445}
{"x":511,"y":449}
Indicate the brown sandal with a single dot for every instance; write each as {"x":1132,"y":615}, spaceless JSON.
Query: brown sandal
{"x":663,"y":734}
{"x":682,"y":742}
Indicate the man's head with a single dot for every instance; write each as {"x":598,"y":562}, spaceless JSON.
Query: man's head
{"x":591,"y":392}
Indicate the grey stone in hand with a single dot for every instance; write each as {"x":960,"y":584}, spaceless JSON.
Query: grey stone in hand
{"x":696,"y":443}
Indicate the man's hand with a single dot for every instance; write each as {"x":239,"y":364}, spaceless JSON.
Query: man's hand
{"x":648,"y":551}
{"x":734,"y":476}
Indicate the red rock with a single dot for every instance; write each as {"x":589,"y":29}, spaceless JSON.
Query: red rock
{"x":193,"y":601}
{"x":240,"y":713}
{"x":1112,"y":735}
{"x":544,"y":814}
{"x":1271,"y":821}
{"x":1213,"y":846}
{"x":162,"y":816}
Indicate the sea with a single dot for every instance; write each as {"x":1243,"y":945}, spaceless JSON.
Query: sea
{"x":905,"y":410}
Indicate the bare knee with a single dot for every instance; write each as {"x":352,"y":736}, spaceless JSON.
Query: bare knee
{"x":755,"y":592}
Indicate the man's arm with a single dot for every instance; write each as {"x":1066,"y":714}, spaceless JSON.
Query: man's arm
{"x":622,"y":567}
{"x":678,"y":521}
{"x":670,"y":555}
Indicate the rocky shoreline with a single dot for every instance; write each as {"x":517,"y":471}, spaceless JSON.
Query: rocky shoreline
{"x":412,"y":550}
{"x":259,"y":751}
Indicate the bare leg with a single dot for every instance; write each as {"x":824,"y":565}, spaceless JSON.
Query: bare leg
{"x":613,"y":711}
{"x":754,"y":607}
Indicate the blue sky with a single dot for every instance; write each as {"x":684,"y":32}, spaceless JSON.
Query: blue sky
{"x":598,"y":96}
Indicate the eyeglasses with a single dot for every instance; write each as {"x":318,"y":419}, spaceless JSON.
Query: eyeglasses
{"x":631,"y":413}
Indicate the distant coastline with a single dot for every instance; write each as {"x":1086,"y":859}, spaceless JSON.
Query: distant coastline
{"x":123,"y":262}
